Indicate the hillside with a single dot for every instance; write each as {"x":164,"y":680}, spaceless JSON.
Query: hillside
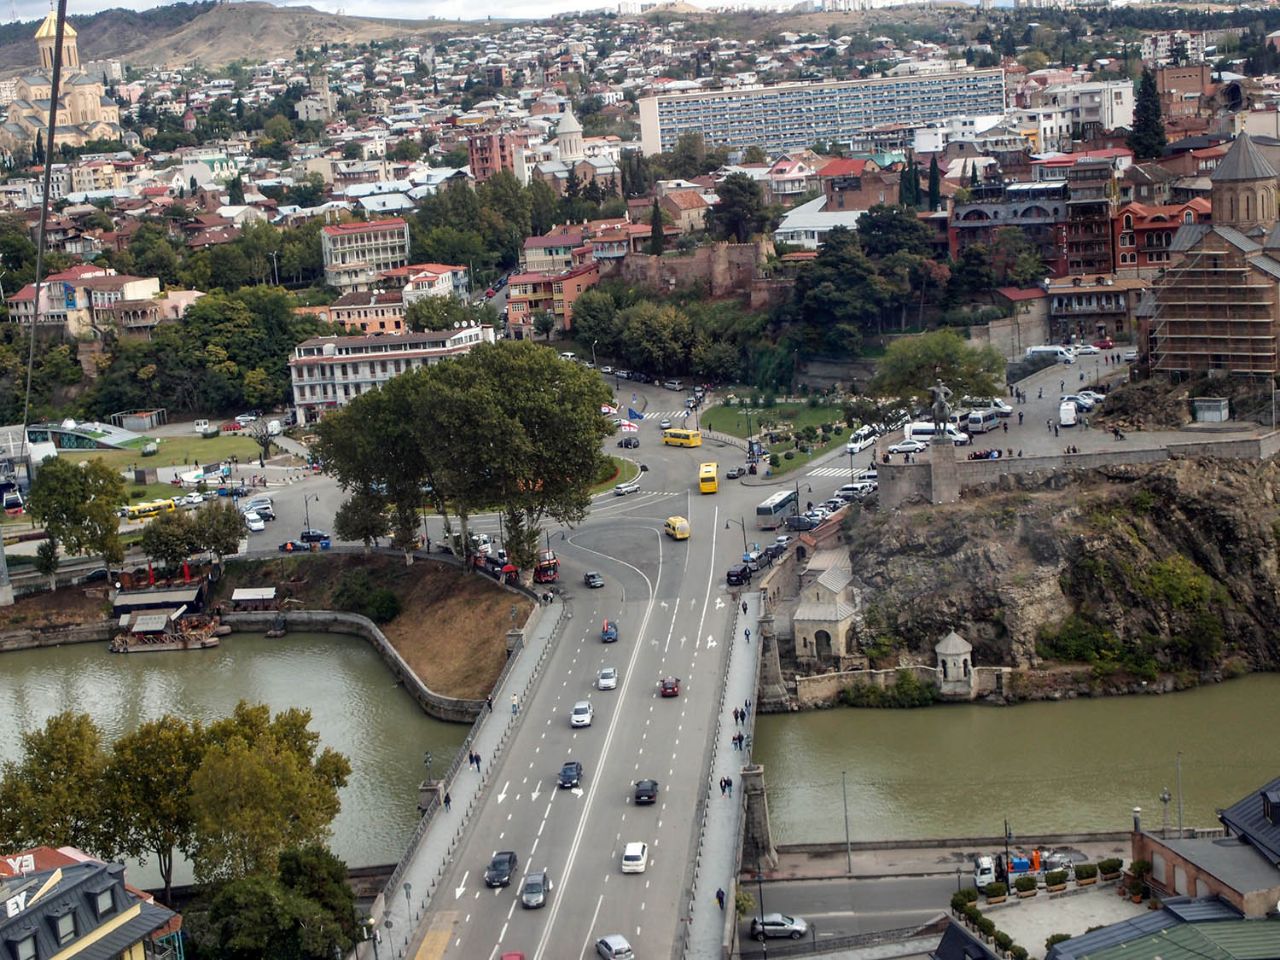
{"x":1165,"y":574}
{"x":214,"y":34}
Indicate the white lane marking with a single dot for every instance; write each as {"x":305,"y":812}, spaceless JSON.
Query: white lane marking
{"x":537,"y":790}
{"x":503,"y":794}
{"x":590,"y":929}
{"x":462,"y":885}
{"x":674,"y":613}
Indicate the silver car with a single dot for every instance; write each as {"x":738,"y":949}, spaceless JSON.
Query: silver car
{"x":581,"y":715}
{"x":773,"y":925}
{"x":607,"y":678}
{"x":614,"y":947}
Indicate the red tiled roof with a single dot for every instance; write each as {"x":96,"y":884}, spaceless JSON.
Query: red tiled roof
{"x":1019,"y":293}
{"x":842,"y":167}
{"x":390,"y":223}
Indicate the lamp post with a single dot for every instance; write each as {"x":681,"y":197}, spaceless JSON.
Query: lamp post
{"x":371,"y":934}
{"x":593,"y":353}
{"x":743,"y":525}
{"x":1007,"y":837}
{"x":1165,"y":797}
{"x":1180,"y":795}
{"x":848,"y":848}
{"x":306,"y":506}
{"x":760,"y":896}
{"x":808,"y":488}
{"x":408,"y":889}
{"x":851,"y":471}
{"x":427,"y":761}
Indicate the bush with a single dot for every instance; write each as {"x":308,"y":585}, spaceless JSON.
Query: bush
{"x":1024,"y":884}
{"x":1055,"y":878}
{"x":1086,"y":871}
{"x":1003,"y":940}
{"x":1140,"y":868}
{"x":774,"y":461}
{"x":907,"y":693}
{"x":1017,"y":952}
{"x":1108,"y":866}
{"x":789,"y":455}
{"x":962,"y":898}
{"x":972,"y":913}
{"x":996,"y":889}
{"x":357,"y":594}
{"x":986,"y":926}
{"x":1056,"y":938}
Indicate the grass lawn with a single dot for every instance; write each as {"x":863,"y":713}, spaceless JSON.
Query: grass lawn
{"x":177,"y":451}
{"x":782,"y":417}
{"x":623,"y":472}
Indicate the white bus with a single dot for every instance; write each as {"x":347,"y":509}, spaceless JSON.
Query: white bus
{"x":771,"y":514}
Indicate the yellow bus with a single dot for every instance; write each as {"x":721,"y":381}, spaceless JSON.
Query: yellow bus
{"x":707,"y":479}
{"x":151,"y":508}
{"x":679,"y":437}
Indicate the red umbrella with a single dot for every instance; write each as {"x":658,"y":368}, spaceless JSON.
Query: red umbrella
{"x":510,"y":568}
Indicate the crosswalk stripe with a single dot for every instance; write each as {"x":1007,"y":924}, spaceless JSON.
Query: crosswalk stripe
{"x":829,"y":472}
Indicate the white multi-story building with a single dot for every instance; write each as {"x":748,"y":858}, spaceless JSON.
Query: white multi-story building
{"x":356,"y":253}
{"x":1046,"y":128}
{"x":794,"y":115}
{"x":1161,"y":47}
{"x":327,"y":372}
{"x":1102,"y":105}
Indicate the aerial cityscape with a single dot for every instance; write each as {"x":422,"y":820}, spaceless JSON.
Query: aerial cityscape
{"x":668,"y":480}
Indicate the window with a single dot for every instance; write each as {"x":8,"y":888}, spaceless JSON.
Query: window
{"x":27,"y":949}
{"x":105,"y":903}
{"x":64,"y":928}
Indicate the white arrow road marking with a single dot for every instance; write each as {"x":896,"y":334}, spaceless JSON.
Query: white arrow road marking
{"x":457,"y":894}
{"x":663,"y":604}
{"x":683,"y":640}
{"x":710,"y":642}
{"x":503,"y":794}
{"x":719,"y":604}
{"x":537,"y":792}
{"x":576,"y":791}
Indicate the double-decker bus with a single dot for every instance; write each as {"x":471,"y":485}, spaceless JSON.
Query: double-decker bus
{"x":680,"y":437}
{"x":707,"y":479}
{"x":771,"y":514}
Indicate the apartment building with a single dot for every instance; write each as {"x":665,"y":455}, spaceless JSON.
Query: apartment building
{"x":491,"y":151}
{"x":356,"y":253}
{"x":1143,"y":234}
{"x":370,"y":311}
{"x":326,"y":372}
{"x":1037,"y":210}
{"x":530,"y":294}
{"x":1095,"y":108}
{"x":418,"y":280}
{"x":792,"y":116}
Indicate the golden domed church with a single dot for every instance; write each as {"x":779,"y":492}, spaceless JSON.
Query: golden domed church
{"x":85,"y":112}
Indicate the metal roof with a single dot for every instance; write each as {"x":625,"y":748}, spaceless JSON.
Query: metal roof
{"x":1246,"y":819}
{"x":1243,"y":162}
{"x":253,"y":593}
{"x":150,"y":623}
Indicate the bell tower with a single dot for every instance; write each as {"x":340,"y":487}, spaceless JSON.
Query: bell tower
{"x":47,"y":38}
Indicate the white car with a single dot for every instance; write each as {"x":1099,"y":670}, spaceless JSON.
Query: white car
{"x":622,"y":489}
{"x":607,"y":678}
{"x":606,"y":369}
{"x":1086,"y":349}
{"x":581,"y":715}
{"x":635,"y":857}
{"x":245,"y":419}
{"x":783,"y":539}
{"x":909,"y":446}
{"x":1092,"y":396}
{"x":665,"y":423}
{"x":858,"y":444}
{"x":254,"y":522}
{"x":1001,"y":408}
{"x":1129,"y":356}
{"x":193,"y":499}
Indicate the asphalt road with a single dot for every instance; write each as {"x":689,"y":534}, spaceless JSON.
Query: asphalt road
{"x":674,"y":613}
{"x":842,"y":908}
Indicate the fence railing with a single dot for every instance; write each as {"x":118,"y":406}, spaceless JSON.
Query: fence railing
{"x":814,"y":943}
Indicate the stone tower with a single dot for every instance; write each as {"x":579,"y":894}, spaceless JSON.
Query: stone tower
{"x":569,"y":137}
{"x":955,"y":667}
{"x":47,"y":37}
{"x":1244,"y":189}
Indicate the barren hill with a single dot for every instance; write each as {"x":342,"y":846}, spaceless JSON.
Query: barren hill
{"x":215,"y":34}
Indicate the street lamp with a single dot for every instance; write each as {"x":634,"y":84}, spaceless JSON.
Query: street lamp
{"x":808,"y":489}
{"x":306,"y":506}
{"x":743,"y":525}
{"x":408,"y":889}
{"x":760,"y":889}
{"x":848,"y":848}
{"x":1165,"y":797}
{"x":593,"y":353}
{"x":427,"y":761}
{"x":371,"y":934}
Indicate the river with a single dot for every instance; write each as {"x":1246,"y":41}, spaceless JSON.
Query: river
{"x":959,"y":770}
{"x":356,"y":707}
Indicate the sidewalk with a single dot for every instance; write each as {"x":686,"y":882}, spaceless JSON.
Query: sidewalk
{"x":716,"y":857}
{"x":429,"y":852}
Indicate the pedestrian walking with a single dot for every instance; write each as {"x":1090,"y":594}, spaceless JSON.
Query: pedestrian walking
{"x":1040,"y":395}
{"x":471,"y":759}
{"x":1048,"y":424}
{"x":1055,"y":431}
{"x":747,"y":633}
{"x":736,"y":716}
{"x":1082,"y":376}
{"x":724,"y":785}
{"x":746,"y":705}
{"x":448,"y":803}
{"x":515,"y":705}
{"x":1006,"y":426}
{"x":1019,"y":418}
{"x":1062,"y":385}
{"x":720,"y":897}
{"x":744,"y":608}
{"x":488,"y":702}
{"x":729,"y":782}
{"x":477,"y":763}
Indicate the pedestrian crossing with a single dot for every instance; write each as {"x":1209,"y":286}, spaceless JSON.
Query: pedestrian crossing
{"x":833,"y":472}
{"x":668,"y":414}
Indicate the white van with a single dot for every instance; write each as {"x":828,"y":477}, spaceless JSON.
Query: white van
{"x":1059,"y":353}
{"x":984,"y":872}
{"x":1067,"y":414}
{"x":923,"y":430}
{"x":568,"y":355}
{"x":982,"y":421}
{"x":200,"y":426}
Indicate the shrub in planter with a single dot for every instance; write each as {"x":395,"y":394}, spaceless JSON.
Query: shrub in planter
{"x":1086,"y":871}
{"x":1140,"y":868}
{"x":1017,"y":952}
{"x":959,"y":902}
{"x":1056,"y":938}
{"x":1137,"y":889}
{"x":1024,"y":884}
{"x":996,"y":889}
{"x":986,"y":926}
{"x":1055,"y":878}
{"x":972,"y":913}
{"x":1110,"y":867}
{"x":1003,"y":940}
{"x":968,"y":895}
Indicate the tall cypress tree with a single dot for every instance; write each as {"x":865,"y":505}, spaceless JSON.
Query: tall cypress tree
{"x":1147,"y":139}
{"x":935,"y":184}
{"x":657,"y":237}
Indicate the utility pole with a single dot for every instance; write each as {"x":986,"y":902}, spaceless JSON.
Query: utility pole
{"x":1179,"y":794}
{"x":848,"y":849}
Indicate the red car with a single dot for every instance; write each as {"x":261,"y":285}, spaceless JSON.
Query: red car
{"x":670,"y":686}
{"x":231,"y":425}
{"x":1106,"y":343}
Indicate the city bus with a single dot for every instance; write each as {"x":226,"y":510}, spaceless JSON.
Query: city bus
{"x":771,"y":514}
{"x":708,"y":482}
{"x":680,"y":437}
{"x":150,"y":508}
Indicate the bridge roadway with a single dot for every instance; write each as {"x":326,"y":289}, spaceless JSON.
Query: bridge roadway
{"x":675,"y":618}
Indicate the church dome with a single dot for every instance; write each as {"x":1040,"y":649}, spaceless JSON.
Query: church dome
{"x":568,"y":123}
{"x":49,"y":29}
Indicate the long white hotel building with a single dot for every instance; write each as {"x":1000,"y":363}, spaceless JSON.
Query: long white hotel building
{"x":791,"y":116}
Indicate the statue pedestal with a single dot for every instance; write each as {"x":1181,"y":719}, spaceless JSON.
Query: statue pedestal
{"x":944,"y":476}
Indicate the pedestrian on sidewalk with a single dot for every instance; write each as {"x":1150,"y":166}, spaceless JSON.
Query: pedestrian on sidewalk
{"x":747,"y":633}
{"x":724,"y":785}
{"x":515,"y":705}
{"x":744,"y":608}
{"x":1040,"y":395}
{"x":1006,"y":426}
{"x":746,"y":706}
{"x":477,"y":763}
{"x":1048,"y":424}
{"x":448,"y":803}
{"x":488,"y":702}
{"x":737,"y":717}
{"x":471,"y":759}
{"x":729,"y":781}
{"x":1019,"y":418}
{"x":1055,"y":431}
{"x":720,"y":897}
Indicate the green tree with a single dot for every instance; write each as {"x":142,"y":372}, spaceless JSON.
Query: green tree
{"x":47,"y":561}
{"x":544,"y":322}
{"x":837,"y":297}
{"x":935,"y":184}
{"x":78,"y":505}
{"x":169,"y":539}
{"x":363,"y":517}
{"x":147,"y":789}
{"x":315,"y":873}
{"x":235,"y":192}
{"x":438,"y":313}
{"x":657,"y":230}
{"x":53,"y":794}
{"x":740,"y":213}
{"x":594,"y":315}
{"x":1014,"y":260}
{"x":406,"y":151}
{"x":912,"y":364}
{"x":279,"y":128}
{"x":754,"y":154}
{"x":218,"y":528}
{"x":886,"y":229}
{"x":262,"y":788}
{"x":972,"y":274}
{"x":1147,"y":139}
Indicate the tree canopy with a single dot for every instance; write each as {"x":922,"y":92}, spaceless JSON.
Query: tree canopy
{"x":912,"y":364}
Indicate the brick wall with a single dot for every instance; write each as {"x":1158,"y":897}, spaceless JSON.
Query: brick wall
{"x":723,"y":268}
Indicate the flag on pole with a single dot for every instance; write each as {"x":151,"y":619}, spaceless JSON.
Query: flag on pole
{"x":633,"y":414}
{"x":607,"y":410}
{"x":626,"y":426}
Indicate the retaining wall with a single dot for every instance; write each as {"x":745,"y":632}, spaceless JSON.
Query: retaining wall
{"x":329,"y":621}
{"x":32,"y":638}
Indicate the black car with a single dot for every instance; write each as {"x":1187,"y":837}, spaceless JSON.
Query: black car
{"x":313,"y":536}
{"x":646,"y":791}
{"x":293,"y":546}
{"x":736,"y":472}
{"x":775,"y":550}
{"x":593,"y":579}
{"x":629,"y":443}
{"x":800,"y":523}
{"x":500,"y":869}
{"x":571,"y":774}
